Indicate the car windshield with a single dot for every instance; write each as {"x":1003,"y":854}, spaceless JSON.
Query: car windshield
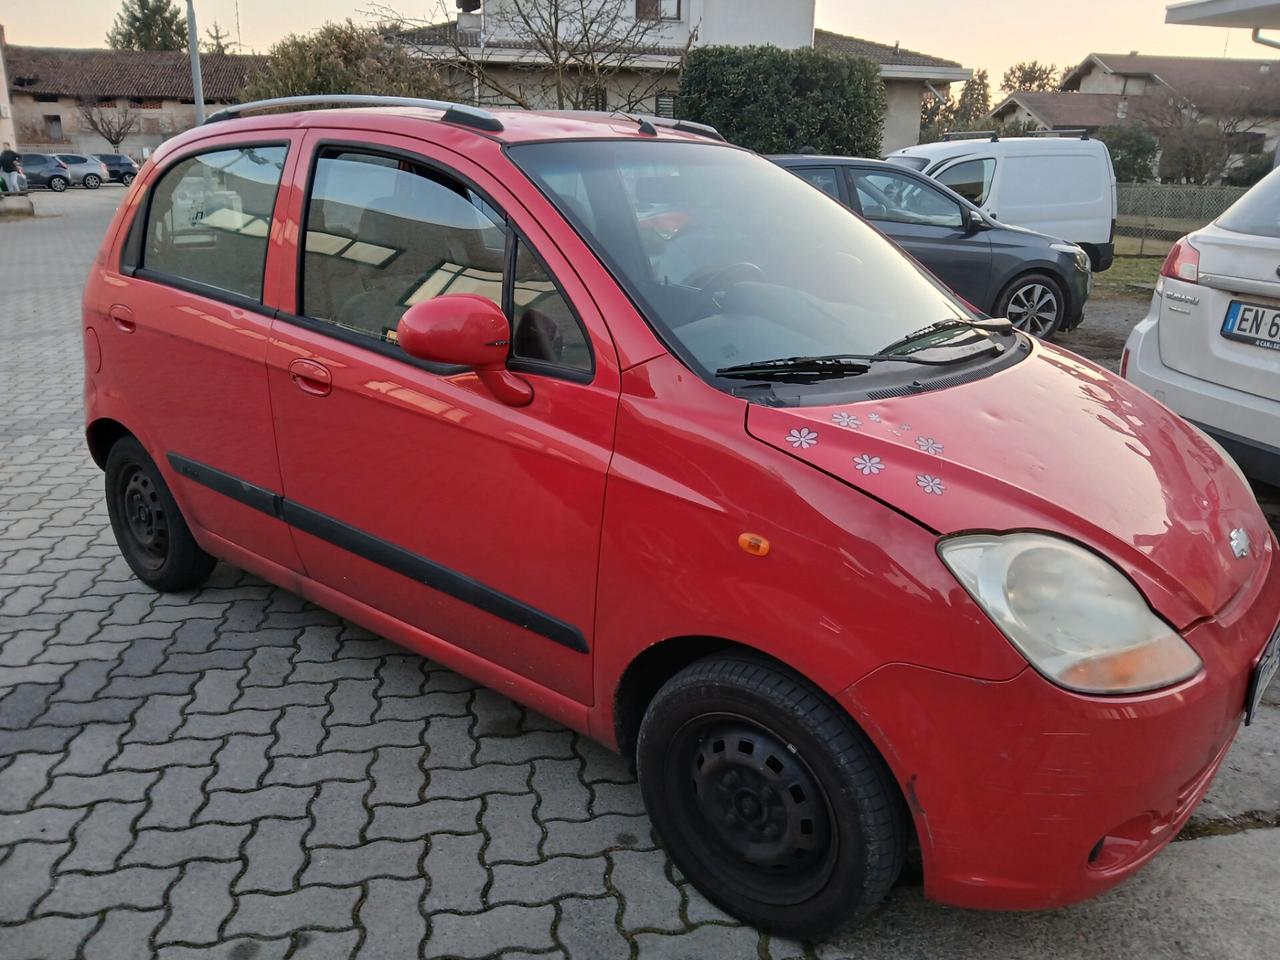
{"x":1258,"y":212}
{"x":733,"y":259}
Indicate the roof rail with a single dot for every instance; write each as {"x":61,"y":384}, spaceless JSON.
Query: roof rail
{"x":1080,"y":132}
{"x":460,"y":113}
{"x":992,"y":135}
{"x":669,"y":123}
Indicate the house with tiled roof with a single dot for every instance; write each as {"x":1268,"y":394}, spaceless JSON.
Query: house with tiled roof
{"x":47,"y":87}
{"x":489,"y":31}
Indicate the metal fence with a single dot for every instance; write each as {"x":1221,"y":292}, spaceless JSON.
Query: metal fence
{"x":1156,"y":214}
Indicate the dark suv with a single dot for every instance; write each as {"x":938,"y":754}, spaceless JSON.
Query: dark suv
{"x":1037,"y":281}
{"x":45,"y":170}
{"x":120,"y":167}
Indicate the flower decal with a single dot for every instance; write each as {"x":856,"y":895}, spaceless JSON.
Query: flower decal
{"x":849,"y":420}
{"x":904,"y":426}
{"x":929,"y":445}
{"x":930,"y":484}
{"x":802,"y":438}
{"x":873,"y":417}
{"x":868,"y":465}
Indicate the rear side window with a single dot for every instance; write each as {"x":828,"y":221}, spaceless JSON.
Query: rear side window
{"x":383,"y":234}
{"x":72,"y":158}
{"x":210,"y":217}
{"x":1258,"y":212}
{"x":824,"y":178}
{"x":971,"y":179}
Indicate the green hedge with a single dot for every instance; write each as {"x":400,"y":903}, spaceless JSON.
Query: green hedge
{"x":775,"y":101}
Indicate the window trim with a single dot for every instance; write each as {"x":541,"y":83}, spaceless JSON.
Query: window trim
{"x":131,"y":264}
{"x":392,"y":350}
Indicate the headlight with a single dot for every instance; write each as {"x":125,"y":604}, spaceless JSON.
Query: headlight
{"x":1076,"y":618}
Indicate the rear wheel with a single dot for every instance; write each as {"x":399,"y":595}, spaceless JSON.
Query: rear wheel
{"x":153,"y":537}
{"x":92,"y":181}
{"x":1034,"y":303}
{"x":769,"y":798}
{"x":57,"y":184}
{"x":126,"y":179}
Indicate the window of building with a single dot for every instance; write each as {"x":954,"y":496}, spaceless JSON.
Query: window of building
{"x":971,"y":179}
{"x":46,"y":98}
{"x":595,"y":98}
{"x":657,"y":9}
{"x":383,"y":234}
{"x":664,"y":104}
{"x":210,"y":217}
{"x":53,"y":127}
{"x":543,"y":326}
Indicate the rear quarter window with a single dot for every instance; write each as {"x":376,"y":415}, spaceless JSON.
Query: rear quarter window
{"x":1257,"y":213}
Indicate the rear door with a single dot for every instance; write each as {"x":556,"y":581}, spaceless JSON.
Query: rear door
{"x":186,"y":332}
{"x":929,"y":224}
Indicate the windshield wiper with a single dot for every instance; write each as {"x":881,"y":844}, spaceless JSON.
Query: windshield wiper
{"x":835,"y":365}
{"x":923,"y":332}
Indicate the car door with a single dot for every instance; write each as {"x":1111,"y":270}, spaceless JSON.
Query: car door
{"x":929,"y":224}
{"x":187,"y":330}
{"x":411,"y":487}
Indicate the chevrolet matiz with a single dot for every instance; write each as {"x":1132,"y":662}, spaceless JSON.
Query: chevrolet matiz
{"x":645,"y":432}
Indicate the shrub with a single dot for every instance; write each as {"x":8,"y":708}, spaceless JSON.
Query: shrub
{"x":1133,"y":152}
{"x":775,"y":101}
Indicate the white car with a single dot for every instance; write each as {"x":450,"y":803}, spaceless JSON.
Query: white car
{"x":1210,"y":346}
{"x":1062,"y":186}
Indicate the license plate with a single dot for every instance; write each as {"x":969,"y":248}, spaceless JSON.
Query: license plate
{"x":1253,"y":323}
{"x":1263,"y":674}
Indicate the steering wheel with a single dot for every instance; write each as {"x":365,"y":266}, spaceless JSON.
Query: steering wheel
{"x":715,"y":282}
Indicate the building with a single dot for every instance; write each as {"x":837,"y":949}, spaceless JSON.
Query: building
{"x":645,"y":77}
{"x":50,"y":89}
{"x":1241,"y":97}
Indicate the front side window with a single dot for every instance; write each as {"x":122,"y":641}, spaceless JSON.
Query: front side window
{"x":383,"y":234}
{"x":894,"y":198}
{"x":210,"y":217}
{"x":971,"y":179}
{"x":732,"y":259}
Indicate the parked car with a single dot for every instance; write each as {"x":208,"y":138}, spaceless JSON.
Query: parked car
{"x":1038,"y":282}
{"x":45,"y":170}
{"x":1063,"y":186}
{"x":749,"y":496}
{"x":121,"y":168}
{"x":1209,"y":347}
{"x":88,"y":172}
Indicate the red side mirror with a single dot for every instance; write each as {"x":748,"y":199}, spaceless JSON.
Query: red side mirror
{"x":469,"y":330}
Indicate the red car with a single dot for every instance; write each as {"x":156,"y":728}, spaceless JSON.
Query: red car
{"x":845,"y":567}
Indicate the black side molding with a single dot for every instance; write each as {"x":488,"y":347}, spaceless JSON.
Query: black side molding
{"x":382,"y":552}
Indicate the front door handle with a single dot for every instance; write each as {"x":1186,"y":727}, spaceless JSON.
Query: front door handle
{"x":311,"y":377}
{"x":122,"y":317}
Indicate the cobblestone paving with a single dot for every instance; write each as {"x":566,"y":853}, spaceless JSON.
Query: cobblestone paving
{"x":235,"y":773}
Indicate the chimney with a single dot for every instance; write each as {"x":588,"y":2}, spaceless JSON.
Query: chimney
{"x":1133,"y":53}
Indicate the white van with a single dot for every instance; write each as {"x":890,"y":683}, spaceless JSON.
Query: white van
{"x":1060,"y":185}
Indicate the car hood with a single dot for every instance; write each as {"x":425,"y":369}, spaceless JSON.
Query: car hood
{"x":1053,"y":443}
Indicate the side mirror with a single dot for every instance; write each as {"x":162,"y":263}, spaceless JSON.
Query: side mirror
{"x":468,"y":330}
{"x":975,"y":221}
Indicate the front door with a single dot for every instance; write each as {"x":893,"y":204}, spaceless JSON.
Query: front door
{"x":410,"y":486}
{"x":929,"y":225}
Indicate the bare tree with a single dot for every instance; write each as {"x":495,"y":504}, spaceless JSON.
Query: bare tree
{"x":539,"y":54}
{"x":110,"y":120}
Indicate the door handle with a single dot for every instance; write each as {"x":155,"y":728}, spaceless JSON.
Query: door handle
{"x":122,"y":317}
{"x":311,"y":377}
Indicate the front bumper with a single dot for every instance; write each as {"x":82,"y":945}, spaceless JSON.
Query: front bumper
{"x":1026,"y":796}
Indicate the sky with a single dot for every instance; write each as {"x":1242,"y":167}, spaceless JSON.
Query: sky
{"x":990,"y":34}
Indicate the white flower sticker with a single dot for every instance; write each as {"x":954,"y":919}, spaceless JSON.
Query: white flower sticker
{"x":873,"y":417}
{"x":929,"y":445}
{"x":849,"y":420}
{"x":904,"y":426}
{"x":868,"y":465}
{"x":802,"y":438}
{"x":930,"y":484}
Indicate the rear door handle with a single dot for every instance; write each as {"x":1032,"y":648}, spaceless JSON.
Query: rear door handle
{"x":311,"y":377}
{"x":122,"y":317}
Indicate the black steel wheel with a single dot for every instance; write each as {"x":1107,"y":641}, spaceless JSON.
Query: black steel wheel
{"x":153,"y":537}
{"x":769,"y":798}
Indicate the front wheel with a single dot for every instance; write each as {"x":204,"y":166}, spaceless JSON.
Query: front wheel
{"x":92,"y":181}
{"x":154,"y":538}
{"x":127,"y":179}
{"x":769,"y":798}
{"x":57,"y":184}
{"x":1035,"y":304}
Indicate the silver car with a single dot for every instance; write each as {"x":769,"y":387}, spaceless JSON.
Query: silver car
{"x":89,"y":172}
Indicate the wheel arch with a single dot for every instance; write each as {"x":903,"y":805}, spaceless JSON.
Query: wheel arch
{"x":101,"y":435}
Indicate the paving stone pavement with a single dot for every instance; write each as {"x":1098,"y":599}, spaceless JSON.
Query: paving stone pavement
{"x":237,"y":774}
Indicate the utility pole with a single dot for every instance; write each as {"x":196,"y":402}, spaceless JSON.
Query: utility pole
{"x":193,"y":45}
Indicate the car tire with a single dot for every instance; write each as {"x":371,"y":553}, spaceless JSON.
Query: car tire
{"x":127,"y":179}
{"x":153,"y":537}
{"x":57,"y":184}
{"x":1035,"y":303}
{"x":91,"y":181}
{"x":769,"y":798}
